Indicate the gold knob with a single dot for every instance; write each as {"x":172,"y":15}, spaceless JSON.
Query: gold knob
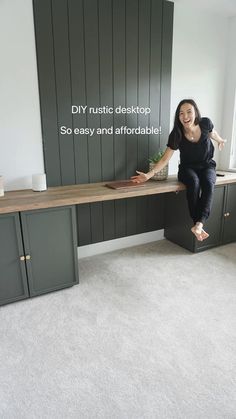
{"x":27,"y":257}
{"x":22,"y":258}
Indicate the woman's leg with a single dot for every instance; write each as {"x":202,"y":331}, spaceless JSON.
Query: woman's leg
{"x":191,"y":180}
{"x":207,"y":182}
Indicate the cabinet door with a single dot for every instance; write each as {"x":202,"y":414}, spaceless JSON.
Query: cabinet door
{"x":13,"y":281}
{"x":50,"y":249}
{"x":229,"y":229}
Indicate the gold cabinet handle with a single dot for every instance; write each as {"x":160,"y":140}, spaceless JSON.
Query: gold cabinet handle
{"x":27,"y":257}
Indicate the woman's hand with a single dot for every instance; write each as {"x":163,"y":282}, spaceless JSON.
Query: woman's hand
{"x":140,"y":178}
{"x":216,"y":137}
{"x":143,"y":177}
{"x":221,"y":143}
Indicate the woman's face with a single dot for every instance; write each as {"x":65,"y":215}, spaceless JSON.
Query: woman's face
{"x":187,"y":115}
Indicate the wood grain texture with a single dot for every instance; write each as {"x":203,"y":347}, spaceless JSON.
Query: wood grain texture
{"x":87,"y":193}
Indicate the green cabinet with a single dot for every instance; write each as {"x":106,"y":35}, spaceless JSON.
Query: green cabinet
{"x":221,"y":224}
{"x":13,"y":277}
{"x":229,"y":219}
{"x":38,"y":252}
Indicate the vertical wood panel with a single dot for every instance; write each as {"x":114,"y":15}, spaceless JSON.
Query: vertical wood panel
{"x":93,"y":86}
{"x":79,"y":98}
{"x":143,"y":78}
{"x":106,"y":87}
{"x":155,"y":72}
{"x":84,"y":224}
{"x":78,"y":87}
{"x":142,"y":216}
{"x":109,"y":220}
{"x":143,"y":101}
{"x":132,"y":38}
{"x":47,"y":90}
{"x":103,"y":53}
{"x":167,"y":34}
{"x":97,"y":222}
{"x":92,"y":53}
{"x":155,"y":212}
{"x":63,"y":84}
{"x":119,"y":73}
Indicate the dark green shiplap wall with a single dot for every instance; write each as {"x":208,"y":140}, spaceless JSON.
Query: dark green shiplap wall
{"x":98,"y":53}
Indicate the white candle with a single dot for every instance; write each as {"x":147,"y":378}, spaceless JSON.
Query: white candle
{"x":1,"y":186}
{"x":39,"y":182}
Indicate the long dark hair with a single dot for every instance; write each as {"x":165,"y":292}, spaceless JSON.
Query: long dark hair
{"x":177,"y":131}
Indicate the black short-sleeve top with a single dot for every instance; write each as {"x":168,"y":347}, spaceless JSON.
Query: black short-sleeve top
{"x":196,"y":154}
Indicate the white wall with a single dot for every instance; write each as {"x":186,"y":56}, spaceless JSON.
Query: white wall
{"x":227,"y":159}
{"x":198,"y":63}
{"x":20,"y":130}
{"x":198,"y":68}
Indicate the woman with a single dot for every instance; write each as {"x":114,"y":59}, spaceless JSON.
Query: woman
{"x":192,"y":135}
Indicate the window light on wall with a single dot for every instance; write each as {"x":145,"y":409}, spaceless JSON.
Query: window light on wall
{"x":233,"y":143}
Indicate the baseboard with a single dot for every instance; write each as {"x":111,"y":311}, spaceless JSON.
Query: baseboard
{"x":111,"y":245}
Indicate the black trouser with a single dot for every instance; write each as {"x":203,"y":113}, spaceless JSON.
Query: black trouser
{"x":200,"y":185}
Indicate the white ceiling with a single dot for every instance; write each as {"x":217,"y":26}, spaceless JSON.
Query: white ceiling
{"x":223,"y":7}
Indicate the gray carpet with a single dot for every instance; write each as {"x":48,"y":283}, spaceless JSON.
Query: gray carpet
{"x":150,"y":332}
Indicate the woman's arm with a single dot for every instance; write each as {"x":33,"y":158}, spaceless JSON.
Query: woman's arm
{"x":216,"y":137}
{"x":143,"y":177}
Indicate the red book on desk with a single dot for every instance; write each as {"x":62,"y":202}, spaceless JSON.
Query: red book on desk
{"x":123,"y":184}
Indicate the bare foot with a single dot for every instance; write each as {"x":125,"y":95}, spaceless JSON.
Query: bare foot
{"x":204,"y":235}
{"x":197,"y":231}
